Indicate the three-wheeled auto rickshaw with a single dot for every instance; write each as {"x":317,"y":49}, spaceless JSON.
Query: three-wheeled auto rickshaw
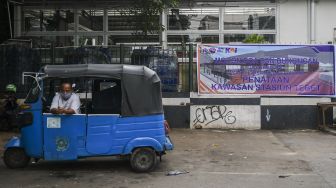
{"x":121,"y":115}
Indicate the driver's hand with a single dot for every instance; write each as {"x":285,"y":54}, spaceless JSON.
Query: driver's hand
{"x":60,"y":110}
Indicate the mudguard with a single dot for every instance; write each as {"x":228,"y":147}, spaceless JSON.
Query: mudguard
{"x":14,"y":142}
{"x":142,"y":142}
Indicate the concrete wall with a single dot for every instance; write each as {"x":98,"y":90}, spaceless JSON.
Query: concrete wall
{"x":242,"y":111}
{"x":225,"y":116}
{"x":289,"y":112}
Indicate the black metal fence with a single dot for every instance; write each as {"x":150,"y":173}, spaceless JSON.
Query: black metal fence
{"x":15,"y":59}
{"x":176,"y":66}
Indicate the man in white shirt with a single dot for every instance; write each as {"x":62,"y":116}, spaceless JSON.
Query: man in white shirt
{"x":65,"y":102}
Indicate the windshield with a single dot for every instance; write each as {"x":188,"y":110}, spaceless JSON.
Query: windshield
{"x":33,"y":93}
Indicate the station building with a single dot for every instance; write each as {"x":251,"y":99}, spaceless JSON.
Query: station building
{"x":64,"y":23}
{"x":75,"y":23}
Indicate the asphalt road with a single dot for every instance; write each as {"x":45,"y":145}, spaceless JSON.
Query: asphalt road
{"x":213,"y":158}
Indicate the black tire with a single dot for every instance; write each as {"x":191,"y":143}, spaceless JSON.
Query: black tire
{"x":143,"y":160}
{"x":16,"y":158}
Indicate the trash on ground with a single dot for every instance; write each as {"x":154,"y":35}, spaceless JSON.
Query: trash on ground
{"x":219,"y":131}
{"x":176,"y":172}
{"x":284,"y":176}
{"x":214,"y":145}
{"x":198,"y":127}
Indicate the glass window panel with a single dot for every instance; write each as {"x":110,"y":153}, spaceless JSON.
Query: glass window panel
{"x":91,"y":20}
{"x":269,"y":38}
{"x":48,"y":20}
{"x":237,"y":18}
{"x":122,"y":21}
{"x":32,"y":20}
{"x":193,"y":19}
{"x":182,"y":39}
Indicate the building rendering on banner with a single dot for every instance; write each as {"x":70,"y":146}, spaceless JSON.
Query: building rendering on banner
{"x":77,"y":23}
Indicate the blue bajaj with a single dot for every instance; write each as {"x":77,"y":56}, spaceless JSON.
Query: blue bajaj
{"x":121,"y":115}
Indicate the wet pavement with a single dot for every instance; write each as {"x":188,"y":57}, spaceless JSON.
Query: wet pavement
{"x":213,"y":158}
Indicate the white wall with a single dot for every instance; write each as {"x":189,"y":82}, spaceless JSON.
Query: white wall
{"x":325,"y":20}
{"x":293,"y":22}
{"x":225,"y":116}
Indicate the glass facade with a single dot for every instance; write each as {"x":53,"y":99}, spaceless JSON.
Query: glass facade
{"x":249,"y":18}
{"x":123,"y":21}
{"x":48,"y":20}
{"x":91,"y":20}
{"x":224,"y":23}
{"x":237,"y":23}
{"x":117,"y":21}
{"x":193,"y":19}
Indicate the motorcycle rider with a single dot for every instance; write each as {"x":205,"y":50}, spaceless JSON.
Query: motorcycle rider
{"x":10,"y":107}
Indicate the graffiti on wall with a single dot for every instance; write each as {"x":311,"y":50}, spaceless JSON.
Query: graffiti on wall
{"x":225,"y":116}
{"x":209,"y":114}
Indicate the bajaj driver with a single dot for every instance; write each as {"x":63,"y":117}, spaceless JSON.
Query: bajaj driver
{"x":65,"y":101}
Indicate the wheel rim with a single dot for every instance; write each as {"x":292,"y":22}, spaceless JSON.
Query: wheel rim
{"x":144,"y":160}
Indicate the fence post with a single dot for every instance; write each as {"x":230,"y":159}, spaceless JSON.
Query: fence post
{"x":52,"y":53}
{"x":191,"y":58}
{"x":121,"y":53}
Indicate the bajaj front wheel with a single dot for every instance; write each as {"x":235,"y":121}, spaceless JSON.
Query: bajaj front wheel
{"x":143,"y":159}
{"x":16,"y":158}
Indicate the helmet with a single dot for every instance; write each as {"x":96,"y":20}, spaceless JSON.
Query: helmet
{"x":11,"y":88}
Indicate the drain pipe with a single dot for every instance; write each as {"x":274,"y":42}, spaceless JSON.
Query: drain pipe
{"x":9,"y":19}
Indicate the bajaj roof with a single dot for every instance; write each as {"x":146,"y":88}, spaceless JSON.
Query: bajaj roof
{"x":140,"y":86}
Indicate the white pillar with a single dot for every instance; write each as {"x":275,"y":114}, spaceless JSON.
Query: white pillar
{"x":163,"y":34}
{"x":76,"y":23}
{"x":277,"y":23}
{"x":105,"y":28}
{"x":221,"y":25}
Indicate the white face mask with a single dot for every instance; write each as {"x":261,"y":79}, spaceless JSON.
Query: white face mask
{"x":65,"y":96}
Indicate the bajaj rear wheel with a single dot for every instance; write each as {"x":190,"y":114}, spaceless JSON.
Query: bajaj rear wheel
{"x":16,"y":158}
{"x":143,"y":159}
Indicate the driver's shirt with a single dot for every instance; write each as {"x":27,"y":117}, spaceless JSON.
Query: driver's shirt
{"x":73,"y":102}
